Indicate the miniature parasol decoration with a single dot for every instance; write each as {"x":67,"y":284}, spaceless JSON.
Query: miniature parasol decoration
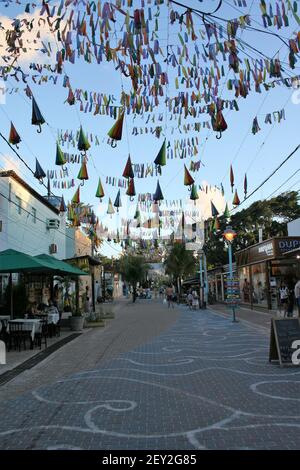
{"x":100,"y":190}
{"x":245,"y":185}
{"x":60,"y":159}
{"x":231,"y":178}
{"x":236,"y":201}
{"x":14,"y":137}
{"x":83,"y":143}
{"x":226,"y":212}
{"x":39,"y":172}
{"x":37,"y":118}
{"x":131,"y":189}
{"x":214,"y":211}
{"x":161,"y":159}
{"x":194,"y":194}
{"x":115,"y":132}
{"x":188,"y":179}
{"x":128,"y":171}
{"x":62,"y":207}
{"x":76,"y":197}
{"x":158,"y":195}
{"x":118,"y":202}
{"x":83,"y":174}
{"x":110,"y":209}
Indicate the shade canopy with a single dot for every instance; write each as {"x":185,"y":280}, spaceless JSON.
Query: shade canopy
{"x":60,"y":266}
{"x":12,"y":261}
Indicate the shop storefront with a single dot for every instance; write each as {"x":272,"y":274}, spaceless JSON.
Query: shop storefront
{"x":262,"y":268}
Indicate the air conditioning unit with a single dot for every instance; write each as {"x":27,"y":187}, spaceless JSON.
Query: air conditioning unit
{"x":53,"y":223}
{"x":52,"y":249}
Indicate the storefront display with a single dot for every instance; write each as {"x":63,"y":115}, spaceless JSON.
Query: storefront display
{"x":263,"y":267}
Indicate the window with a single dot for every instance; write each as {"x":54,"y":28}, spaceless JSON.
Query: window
{"x":19,"y":204}
{"x":33,"y":212}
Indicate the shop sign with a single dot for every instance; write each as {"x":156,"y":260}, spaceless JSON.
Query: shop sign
{"x":261,"y":252}
{"x":287,"y":244}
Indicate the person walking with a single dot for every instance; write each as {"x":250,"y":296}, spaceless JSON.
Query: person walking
{"x":169,"y":294}
{"x":190,"y":300}
{"x":291,"y":302}
{"x":283,"y":295}
{"x":297,"y":295}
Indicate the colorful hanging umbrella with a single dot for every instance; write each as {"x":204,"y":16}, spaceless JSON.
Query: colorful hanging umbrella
{"x":71,"y":213}
{"x":158,"y":195}
{"x":236,"y":201}
{"x":194,"y":194}
{"x":118,"y":202}
{"x":216,"y":224}
{"x":83,"y":143}
{"x":137,"y":212}
{"x":83,"y":174}
{"x":161,"y":159}
{"x":76,"y":197}
{"x":100,"y":191}
{"x":36,"y":118}
{"x":226,"y":212}
{"x":62,"y":207}
{"x":60,"y":159}
{"x":231,"y":178}
{"x":128,"y":171}
{"x":131,"y":189}
{"x":14,"y":137}
{"x":245,"y":185}
{"x":188,"y":179}
{"x":110,"y":209}
{"x":218,"y":123}
{"x":214,"y":211}
{"x":39,"y":172}
{"x":71,"y":97}
{"x":115,"y":132}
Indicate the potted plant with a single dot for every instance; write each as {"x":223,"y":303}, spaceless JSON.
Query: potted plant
{"x":76,"y":321}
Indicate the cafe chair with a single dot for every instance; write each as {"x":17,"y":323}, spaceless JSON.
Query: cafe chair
{"x":42,"y":335}
{"x":17,"y":336}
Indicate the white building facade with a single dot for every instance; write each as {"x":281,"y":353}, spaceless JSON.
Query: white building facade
{"x":28,"y":222}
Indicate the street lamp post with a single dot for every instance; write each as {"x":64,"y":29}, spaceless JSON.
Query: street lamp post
{"x":229,"y":236}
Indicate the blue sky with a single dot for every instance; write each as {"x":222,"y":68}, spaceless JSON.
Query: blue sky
{"x":256,"y":154}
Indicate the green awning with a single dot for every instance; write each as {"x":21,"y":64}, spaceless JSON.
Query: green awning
{"x":60,"y":266}
{"x":12,"y":261}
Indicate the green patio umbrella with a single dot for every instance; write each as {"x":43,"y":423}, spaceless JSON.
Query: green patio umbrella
{"x":61,"y":267}
{"x":12,"y":261}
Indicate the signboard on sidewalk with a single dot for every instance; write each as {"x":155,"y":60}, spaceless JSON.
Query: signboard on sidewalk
{"x":285,"y":334}
{"x":232,"y":291}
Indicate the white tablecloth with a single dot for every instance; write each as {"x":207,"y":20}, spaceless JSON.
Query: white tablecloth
{"x":53,"y":318}
{"x":32,"y":325}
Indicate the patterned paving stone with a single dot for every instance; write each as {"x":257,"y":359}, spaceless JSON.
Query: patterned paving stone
{"x":203,"y":383}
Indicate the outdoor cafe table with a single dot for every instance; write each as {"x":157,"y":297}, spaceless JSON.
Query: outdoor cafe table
{"x":32,"y":325}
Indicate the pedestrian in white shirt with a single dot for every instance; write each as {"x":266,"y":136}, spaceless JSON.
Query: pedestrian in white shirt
{"x":297,"y":296}
{"x":284,"y":296}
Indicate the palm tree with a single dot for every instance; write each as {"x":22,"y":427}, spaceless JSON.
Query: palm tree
{"x":133,"y":269}
{"x":179,"y":263}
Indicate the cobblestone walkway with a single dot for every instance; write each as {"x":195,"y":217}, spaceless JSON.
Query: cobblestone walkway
{"x":205,"y":383}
